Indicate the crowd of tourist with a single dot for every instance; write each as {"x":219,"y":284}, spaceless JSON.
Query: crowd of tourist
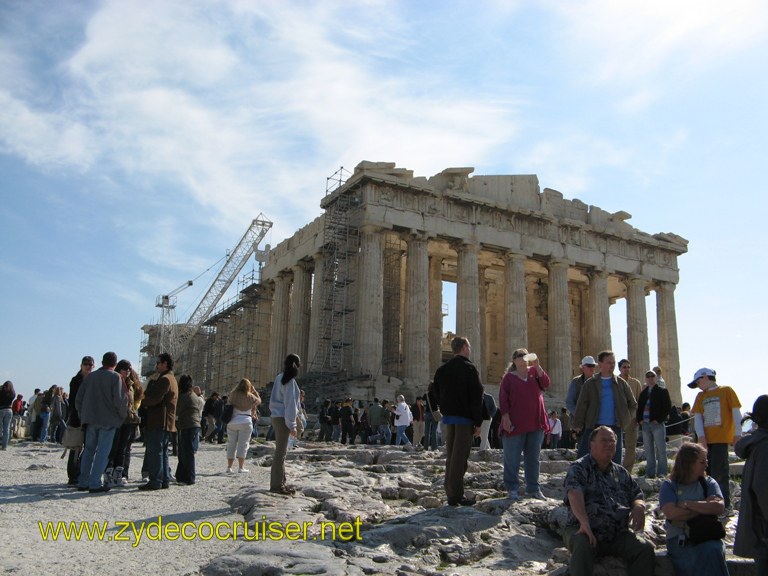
{"x":602,"y":419}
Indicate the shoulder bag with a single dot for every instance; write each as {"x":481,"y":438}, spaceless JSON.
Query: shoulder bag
{"x":704,"y":527}
{"x":74,"y":438}
{"x":436,"y":414}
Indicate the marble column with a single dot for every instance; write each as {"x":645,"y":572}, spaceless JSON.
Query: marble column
{"x":298,"y":314}
{"x":468,"y":298}
{"x":280,"y":304}
{"x":369,"y":321}
{"x":669,"y":352}
{"x":480,"y":353}
{"x":598,"y":316}
{"x":559,"y":328}
{"x":314,"y":346}
{"x":515,"y":315}
{"x":435,"y":313}
{"x":637,"y":326}
{"x":416,"y":320}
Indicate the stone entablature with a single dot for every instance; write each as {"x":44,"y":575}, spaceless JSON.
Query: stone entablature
{"x":508,"y":245}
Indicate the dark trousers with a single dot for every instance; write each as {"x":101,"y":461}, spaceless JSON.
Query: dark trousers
{"x":636,"y":552}
{"x":73,"y":465}
{"x":282,"y":433}
{"x":156,"y":456}
{"x":117,"y":455}
{"x":347,"y":433}
{"x":720,"y":469}
{"x":458,"y":442}
{"x":325,"y":432}
{"x":188,"y":442}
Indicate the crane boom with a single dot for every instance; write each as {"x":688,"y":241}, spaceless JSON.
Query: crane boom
{"x":232,"y":267}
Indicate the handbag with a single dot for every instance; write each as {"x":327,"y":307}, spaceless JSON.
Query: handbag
{"x":704,"y":527}
{"x":74,"y":438}
{"x":436,"y":414}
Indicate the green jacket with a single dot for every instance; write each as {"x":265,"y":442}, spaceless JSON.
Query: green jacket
{"x":588,"y":406}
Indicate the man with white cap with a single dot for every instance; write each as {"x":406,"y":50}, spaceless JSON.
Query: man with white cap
{"x":715,"y":417}
{"x":574,"y":390}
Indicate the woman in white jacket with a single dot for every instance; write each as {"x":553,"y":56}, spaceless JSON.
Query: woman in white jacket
{"x":403,"y":419}
{"x":285,"y":405}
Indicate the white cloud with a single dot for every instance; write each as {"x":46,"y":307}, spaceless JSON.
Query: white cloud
{"x":632,"y":40}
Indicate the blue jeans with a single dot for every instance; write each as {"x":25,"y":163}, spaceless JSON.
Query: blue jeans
{"x":93,"y":461}
{"x":401,"y":437}
{"x":527,"y":445}
{"x":6,"y":415}
{"x":42,"y":422}
{"x":719,"y":469}
{"x":619,"y":442}
{"x":655,"y":444}
{"x":430,"y":432}
{"x":336,"y":433}
{"x":157,"y":457}
{"x":705,"y":559}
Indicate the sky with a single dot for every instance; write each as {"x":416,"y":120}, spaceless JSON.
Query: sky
{"x":139,"y":139}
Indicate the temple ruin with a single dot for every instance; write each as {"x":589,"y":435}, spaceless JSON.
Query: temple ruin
{"x":357,"y":292}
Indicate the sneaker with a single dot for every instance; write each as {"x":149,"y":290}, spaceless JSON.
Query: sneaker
{"x":229,"y":471}
{"x":119,"y":482}
{"x":242,"y":471}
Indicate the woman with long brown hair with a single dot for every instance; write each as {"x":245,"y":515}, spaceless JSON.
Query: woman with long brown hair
{"x":284,"y":404}
{"x":689,"y":493}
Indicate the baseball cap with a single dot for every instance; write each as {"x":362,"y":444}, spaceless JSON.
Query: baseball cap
{"x":650,"y":373}
{"x":699,"y":373}
{"x":588,"y":361}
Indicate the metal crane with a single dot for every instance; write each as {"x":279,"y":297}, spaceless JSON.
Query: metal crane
{"x":175,"y":337}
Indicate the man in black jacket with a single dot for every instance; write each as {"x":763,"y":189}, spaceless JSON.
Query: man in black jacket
{"x":459,"y":394}
{"x":653,"y":407}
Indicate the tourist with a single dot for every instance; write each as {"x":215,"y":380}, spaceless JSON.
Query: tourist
{"x":325,"y":422}
{"x":160,"y":403}
{"x":418,"y":413}
{"x":102,"y":406}
{"x":245,"y":402}
{"x":572,"y":397}
{"x":335,"y":414}
{"x":32,"y":431}
{"x":489,"y":411}
{"x":135,"y":396}
{"x":57,"y":423}
{"x":7,"y":396}
{"x":189,"y":412}
{"x":208,"y":414}
{"x":284,"y":406}
{"x":716,"y":416}
{"x":43,"y":409}
{"x":347,"y":421}
{"x":122,"y":441}
{"x":73,"y":418}
{"x":752,"y":531}
{"x":524,"y":422}
{"x":630,"y":432}
{"x":685,"y":416}
{"x":379,"y":416}
{"x":431,"y":419}
{"x":659,"y":380}
{"x":565,"y":421}
{"x":403,"y":418}
{"x":653,"y":408}
{"x":688,"y":493}
{"x":555,"y":430}
{"x":605,"y":400}
{"x":459,"y":393}
{"x":603,"y":502}
{"x":17,"y":408}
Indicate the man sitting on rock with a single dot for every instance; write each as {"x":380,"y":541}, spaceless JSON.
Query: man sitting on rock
{"x":603,"y":502}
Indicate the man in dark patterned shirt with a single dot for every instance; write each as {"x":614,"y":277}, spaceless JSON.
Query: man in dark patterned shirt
{"x":603,"y":502}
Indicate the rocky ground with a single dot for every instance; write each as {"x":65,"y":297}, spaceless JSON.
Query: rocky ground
{"x":392,"y":498}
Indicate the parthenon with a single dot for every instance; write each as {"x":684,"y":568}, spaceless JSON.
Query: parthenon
{"x":357,"y":293}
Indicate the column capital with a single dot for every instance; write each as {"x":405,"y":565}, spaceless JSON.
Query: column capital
{"x":597,"y":273}
{"x":370,"y":229}
{"x":559,"y":263}
{"x":465,"y":245}
{"x":514,"y":256}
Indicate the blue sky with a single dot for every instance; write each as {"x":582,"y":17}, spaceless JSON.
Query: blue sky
{"x":139,"y":139}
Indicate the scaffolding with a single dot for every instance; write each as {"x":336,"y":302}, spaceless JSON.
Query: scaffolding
{"x":338,"y":290}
